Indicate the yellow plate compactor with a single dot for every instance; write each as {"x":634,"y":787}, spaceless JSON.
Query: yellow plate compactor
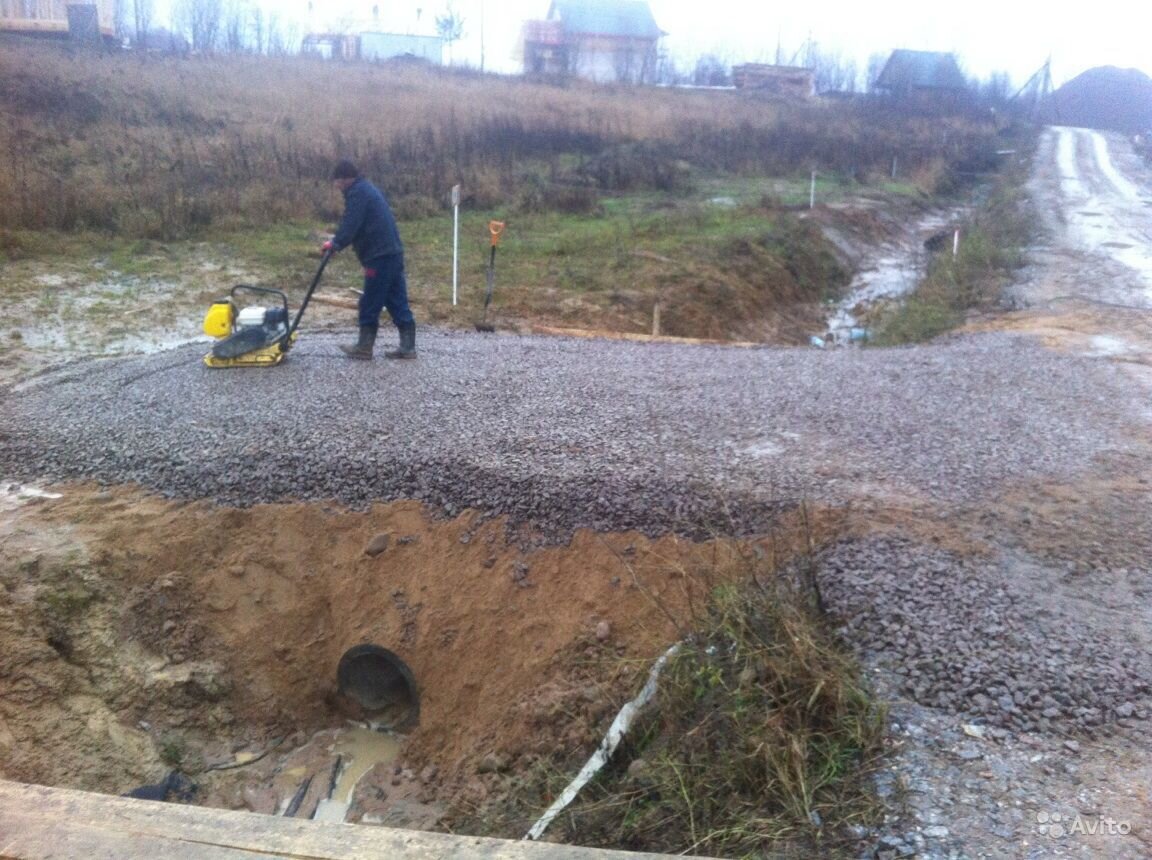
{"x":251,"y":335}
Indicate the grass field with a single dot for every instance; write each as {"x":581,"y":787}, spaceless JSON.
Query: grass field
{"x":616,"y":198}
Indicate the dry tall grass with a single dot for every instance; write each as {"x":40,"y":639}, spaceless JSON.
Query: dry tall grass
{"x":160,"y":146}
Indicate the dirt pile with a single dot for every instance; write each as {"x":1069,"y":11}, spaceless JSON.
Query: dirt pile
{"x":1107,"y":98}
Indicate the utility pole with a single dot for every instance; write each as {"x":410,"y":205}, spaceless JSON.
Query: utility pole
{"x":1038,"y":88}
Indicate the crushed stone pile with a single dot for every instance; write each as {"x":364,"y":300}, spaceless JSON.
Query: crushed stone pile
{"x":959,"y":635}
{"x":1104,"y":97}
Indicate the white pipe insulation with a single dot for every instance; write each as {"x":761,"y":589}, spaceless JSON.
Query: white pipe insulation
{"x":607,"y":747}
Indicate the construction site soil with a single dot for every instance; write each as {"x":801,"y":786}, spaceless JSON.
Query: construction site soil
{"x":185,"y":554}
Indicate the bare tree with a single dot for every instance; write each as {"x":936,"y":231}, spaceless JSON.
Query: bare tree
{"x":996,"y":92}
{"x":259,"y":30}
{"x":236,"y":23}
{"x":832,"y":72}
{"x":710,"y":71}
{"x":200,"y":19}
{"x":141,"y":20}
{"x":668,"y":73}
{"x":450,"y":27}
{"x":276,"y":38}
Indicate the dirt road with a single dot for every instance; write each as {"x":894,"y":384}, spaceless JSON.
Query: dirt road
{"x":993,"y":489}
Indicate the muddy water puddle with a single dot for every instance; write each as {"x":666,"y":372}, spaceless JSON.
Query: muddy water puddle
{"x":359,"y":750}
{"x":335,"y":774}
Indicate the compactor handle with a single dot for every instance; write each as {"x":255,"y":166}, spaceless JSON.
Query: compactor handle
{"x":325,"y":255}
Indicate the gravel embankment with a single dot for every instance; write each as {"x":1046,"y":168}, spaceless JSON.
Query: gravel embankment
{"x":968,"y":636}
{"x":1010,"y":695}
{"x":562,"y":434}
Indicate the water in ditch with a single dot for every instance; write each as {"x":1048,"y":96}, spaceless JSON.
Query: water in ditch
{"x":886,"y":279}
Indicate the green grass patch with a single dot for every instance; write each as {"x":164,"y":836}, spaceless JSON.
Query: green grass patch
{"x":716,"y":269}
{"x":920,"y":318}
{"x":612,"y":266}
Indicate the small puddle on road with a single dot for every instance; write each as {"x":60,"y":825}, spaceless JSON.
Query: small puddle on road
{"x":13,"y":496}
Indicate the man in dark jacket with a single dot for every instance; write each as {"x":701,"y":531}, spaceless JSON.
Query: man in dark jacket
{"x":370,"y":228}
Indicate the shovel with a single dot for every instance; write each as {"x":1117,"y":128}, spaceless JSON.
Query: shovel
{"x":495,"y":228}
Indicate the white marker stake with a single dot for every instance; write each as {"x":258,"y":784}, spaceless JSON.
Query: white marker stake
{"x":455,"y":240}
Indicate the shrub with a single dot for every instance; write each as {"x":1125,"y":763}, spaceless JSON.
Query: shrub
{"x":761,"y":737}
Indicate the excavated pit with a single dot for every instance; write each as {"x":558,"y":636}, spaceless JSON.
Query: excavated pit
{"x":254,"y":650}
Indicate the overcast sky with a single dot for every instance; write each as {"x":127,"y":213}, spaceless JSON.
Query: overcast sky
{"x":1013,"y":36}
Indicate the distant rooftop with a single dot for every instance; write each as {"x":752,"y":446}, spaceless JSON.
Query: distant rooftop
{"x":914,"y":70}
{"x":631,"y":18}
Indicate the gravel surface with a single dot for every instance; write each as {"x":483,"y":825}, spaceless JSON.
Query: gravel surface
{"x":1017,"y":707}
{"x":564,"y":433}
{"x":957,"y":791}
{"x":971,"y":638}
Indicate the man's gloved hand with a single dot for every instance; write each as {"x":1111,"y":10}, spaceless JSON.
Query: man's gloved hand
{"x":328,"y":247}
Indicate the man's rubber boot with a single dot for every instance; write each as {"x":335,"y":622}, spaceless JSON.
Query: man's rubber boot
{"x":363,"y":347}
{"x":407,"y":343}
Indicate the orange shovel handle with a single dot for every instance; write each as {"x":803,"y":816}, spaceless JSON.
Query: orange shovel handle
{"x":495,"y":228}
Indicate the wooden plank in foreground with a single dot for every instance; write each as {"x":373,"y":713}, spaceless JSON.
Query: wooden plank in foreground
{"x":42,"y":823}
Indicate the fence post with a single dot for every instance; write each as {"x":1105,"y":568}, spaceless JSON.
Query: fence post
{"x":455,"y":240}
